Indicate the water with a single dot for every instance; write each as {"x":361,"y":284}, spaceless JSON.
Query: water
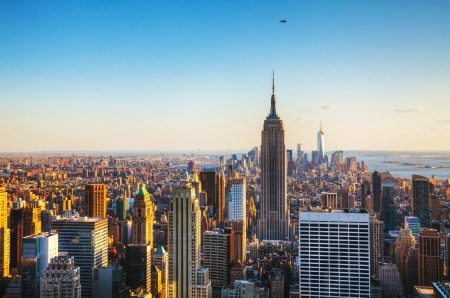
{"x":405,"y":164}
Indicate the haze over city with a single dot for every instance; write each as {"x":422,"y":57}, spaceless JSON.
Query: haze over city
{"x":153,"y":75}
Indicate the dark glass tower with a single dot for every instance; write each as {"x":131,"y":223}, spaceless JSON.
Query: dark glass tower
{"x":273,"y":222}
{"x":421,"y":196}
{"x":376,"y":190}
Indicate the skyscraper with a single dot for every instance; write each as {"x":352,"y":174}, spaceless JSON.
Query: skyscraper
{"x":237,"y":216}
{"x":321,"y":145}
{"x":160,"y":259}
{"x":140,"y":250}
{"x":389,"y":210}
{"x":429,"y":253}
{"x":376,"y":244}
{"x":4,"y":234}
{"x":218,"y":255}
{"x":95,"y":200}
{"x":421,"y":197}
{"x":332,"y":244}
{"x":273,"y":222}
{"x":86,"y":239}
{"x":61,"y":278}
{"x":214,"y":186}
{"x":236,"y":207}
{"x":376,"y":191}
{"x":186,"y":277}
{"x":143,"y":217}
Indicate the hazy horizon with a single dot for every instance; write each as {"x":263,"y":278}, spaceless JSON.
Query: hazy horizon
{"x":87,"y":75}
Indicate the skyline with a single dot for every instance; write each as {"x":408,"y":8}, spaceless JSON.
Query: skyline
{"x":152,"y":76}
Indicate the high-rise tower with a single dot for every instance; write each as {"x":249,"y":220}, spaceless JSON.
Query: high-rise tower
{"x":143,"y":216}
{"x":273,"y":222}
{"x":139,"y":252}
{"x":421,"y":197}
{"x":4,"y":234}
{"x":86,"y":239}
{"x":320,"y":145}
{"x":95,"y":200}
{"x":186,"y":277}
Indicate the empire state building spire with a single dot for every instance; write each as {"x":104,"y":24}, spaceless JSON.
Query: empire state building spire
{"x":273,"y":101}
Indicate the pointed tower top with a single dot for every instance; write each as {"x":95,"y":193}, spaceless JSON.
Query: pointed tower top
{"x":273,"y":111}
{"x":273,"y":82}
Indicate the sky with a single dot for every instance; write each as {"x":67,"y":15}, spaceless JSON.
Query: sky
{"x":197,"y":75}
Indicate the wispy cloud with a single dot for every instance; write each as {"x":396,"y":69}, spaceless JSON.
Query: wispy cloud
{"x":409,"y":111}
{"x":329,"y":107}
{"x":443,"y":121}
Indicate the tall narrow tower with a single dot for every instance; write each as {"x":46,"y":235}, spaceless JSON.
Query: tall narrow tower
{"x":274,"y":218}
{"x":139,"y":252}
{"x":421,"y":197}
{"x":320,"y":145}
{"x":4,"y":234}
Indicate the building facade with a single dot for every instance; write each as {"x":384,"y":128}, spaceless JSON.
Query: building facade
{"x":273,"y":222}
{"x":95,"y":200}
{"x":86,"y":239}
{"x":185,"y":246}
{"x":334,"y":253}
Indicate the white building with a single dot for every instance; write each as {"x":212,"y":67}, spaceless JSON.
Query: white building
{"x":334,"y":253}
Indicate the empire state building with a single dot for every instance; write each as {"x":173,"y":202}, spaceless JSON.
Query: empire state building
{"x":273,"y":221}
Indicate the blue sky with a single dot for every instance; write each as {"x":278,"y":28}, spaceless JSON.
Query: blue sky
{"x":186,"y":75}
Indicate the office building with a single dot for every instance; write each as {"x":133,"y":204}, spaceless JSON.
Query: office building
{"x":160,"y":259}
{"x":4,"y":234}
{"x":329,"y":200}
{"x":16,"y":232}
{"x":123,"y":208}
{"x":321,"y":145}
{"x":389,"y":209}
{"x":351,"y":163}
{"x":376,"y":244}
{"x":273,"y":222}
{"x":143,"y":217}
{"x":86,"y":239}
{"x":236,"y":207}
{"x":405,"y":240}
{"x":61,"y":279}
{"x":428,"y":255}
{"x":421,"y":197}
{"x":108,"y":283}
{"x":240,"y":238}
{"x":334,"y":253}
{"x":95,"y":200}
{"x":337,"y":157}
{"x":214,"y":186}
{"x":376,"y":191}
{"x":138,"y":264}
{"x":244,"y":289}
{"x":413,"y":223}
{"x":186,"y":276}
{"x":218,"y":255}
{"x":139,"y":252}
{"x":37,"y":251}
{"x":390,"y":279}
